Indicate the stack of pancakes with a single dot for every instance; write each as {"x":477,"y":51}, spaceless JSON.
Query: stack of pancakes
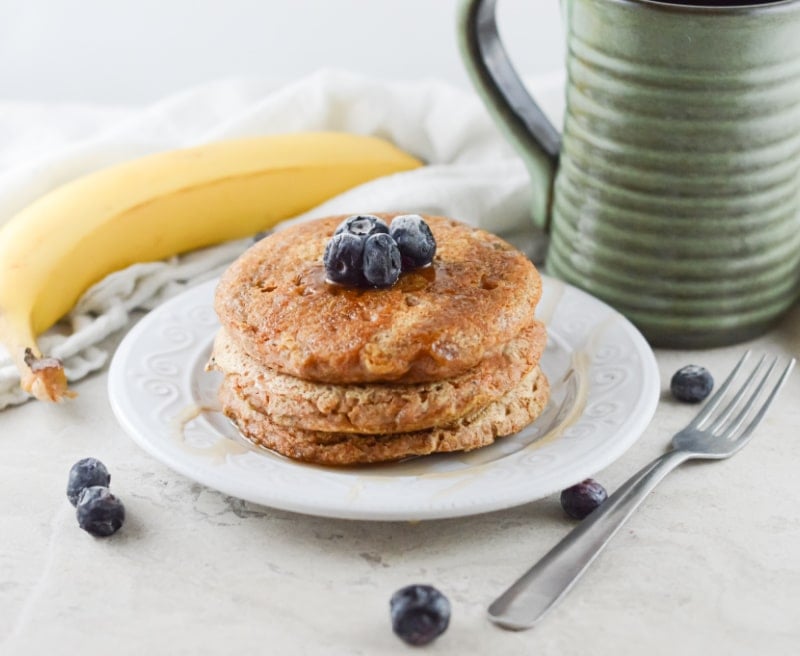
{"x":446,"y":359}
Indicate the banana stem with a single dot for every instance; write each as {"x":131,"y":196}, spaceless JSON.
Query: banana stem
{"x":41,"y":376}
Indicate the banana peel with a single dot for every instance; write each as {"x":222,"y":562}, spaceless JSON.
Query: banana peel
{"x":158,"y":206}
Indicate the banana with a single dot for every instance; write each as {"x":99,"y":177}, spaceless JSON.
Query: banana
{"x":157,"y":206}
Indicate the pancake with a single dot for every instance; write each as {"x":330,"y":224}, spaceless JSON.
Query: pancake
{"x":435,"y":323}
{"x":507,"y":415}
{"x":372,"y":407}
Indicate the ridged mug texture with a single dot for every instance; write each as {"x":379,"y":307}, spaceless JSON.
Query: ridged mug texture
{"x":677,"y":197}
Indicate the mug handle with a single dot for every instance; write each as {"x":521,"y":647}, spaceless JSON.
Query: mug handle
{"x":512,"y":107}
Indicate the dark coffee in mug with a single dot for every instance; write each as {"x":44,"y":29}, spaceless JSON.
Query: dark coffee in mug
{"x":717,"y":3}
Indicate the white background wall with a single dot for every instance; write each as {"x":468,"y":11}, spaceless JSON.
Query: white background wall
{"x":134,"y":51}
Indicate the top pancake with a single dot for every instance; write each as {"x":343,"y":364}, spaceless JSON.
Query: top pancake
{"x":434,"y":323}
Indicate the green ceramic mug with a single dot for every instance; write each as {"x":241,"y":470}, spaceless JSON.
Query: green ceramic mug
{"x":673,"y":190}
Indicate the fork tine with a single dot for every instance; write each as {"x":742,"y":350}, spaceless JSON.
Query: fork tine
{"x":733,"y":426}
{"x":725,"y":414}
{"x":715,"y":400}
{"x":765,"y":406}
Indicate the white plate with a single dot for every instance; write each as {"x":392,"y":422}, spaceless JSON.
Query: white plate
{"x":605,"y":387}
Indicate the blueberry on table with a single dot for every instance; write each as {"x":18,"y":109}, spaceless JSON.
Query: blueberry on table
{"x":99,"y":512}
{"x":414,"y":239}
{"x":86,"y":473}
{"x":581,"y":499}
{"x":691,"y":384}
{"x":342,"y":259}
{"x":381,"y":260}
{"x":362,"y":225}
{"x":420,"y":614}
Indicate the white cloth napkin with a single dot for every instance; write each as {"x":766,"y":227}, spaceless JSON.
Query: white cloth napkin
{"x":470,"y":173}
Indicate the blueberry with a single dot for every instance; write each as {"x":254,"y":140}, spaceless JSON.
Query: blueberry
{"x":581,"y":499}
{"x":342,"y":259}
{"x":83,"y":474}
{"x":691,"y":384}
{"x":420,"y":614}
{"x":99,"y":512}
{"x":381,"y":265}
{"x":414,"y":239}
{"x":362,"y":225}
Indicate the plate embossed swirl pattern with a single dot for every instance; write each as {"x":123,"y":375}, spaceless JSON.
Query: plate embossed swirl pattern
{"x":605,"y":387}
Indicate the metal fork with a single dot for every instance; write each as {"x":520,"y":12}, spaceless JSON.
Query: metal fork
{"x":715,"y":433}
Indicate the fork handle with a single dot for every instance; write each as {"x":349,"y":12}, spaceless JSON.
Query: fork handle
{"x":538,"y":590}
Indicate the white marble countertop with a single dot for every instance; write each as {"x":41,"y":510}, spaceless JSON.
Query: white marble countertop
{"x":710,"y":564}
